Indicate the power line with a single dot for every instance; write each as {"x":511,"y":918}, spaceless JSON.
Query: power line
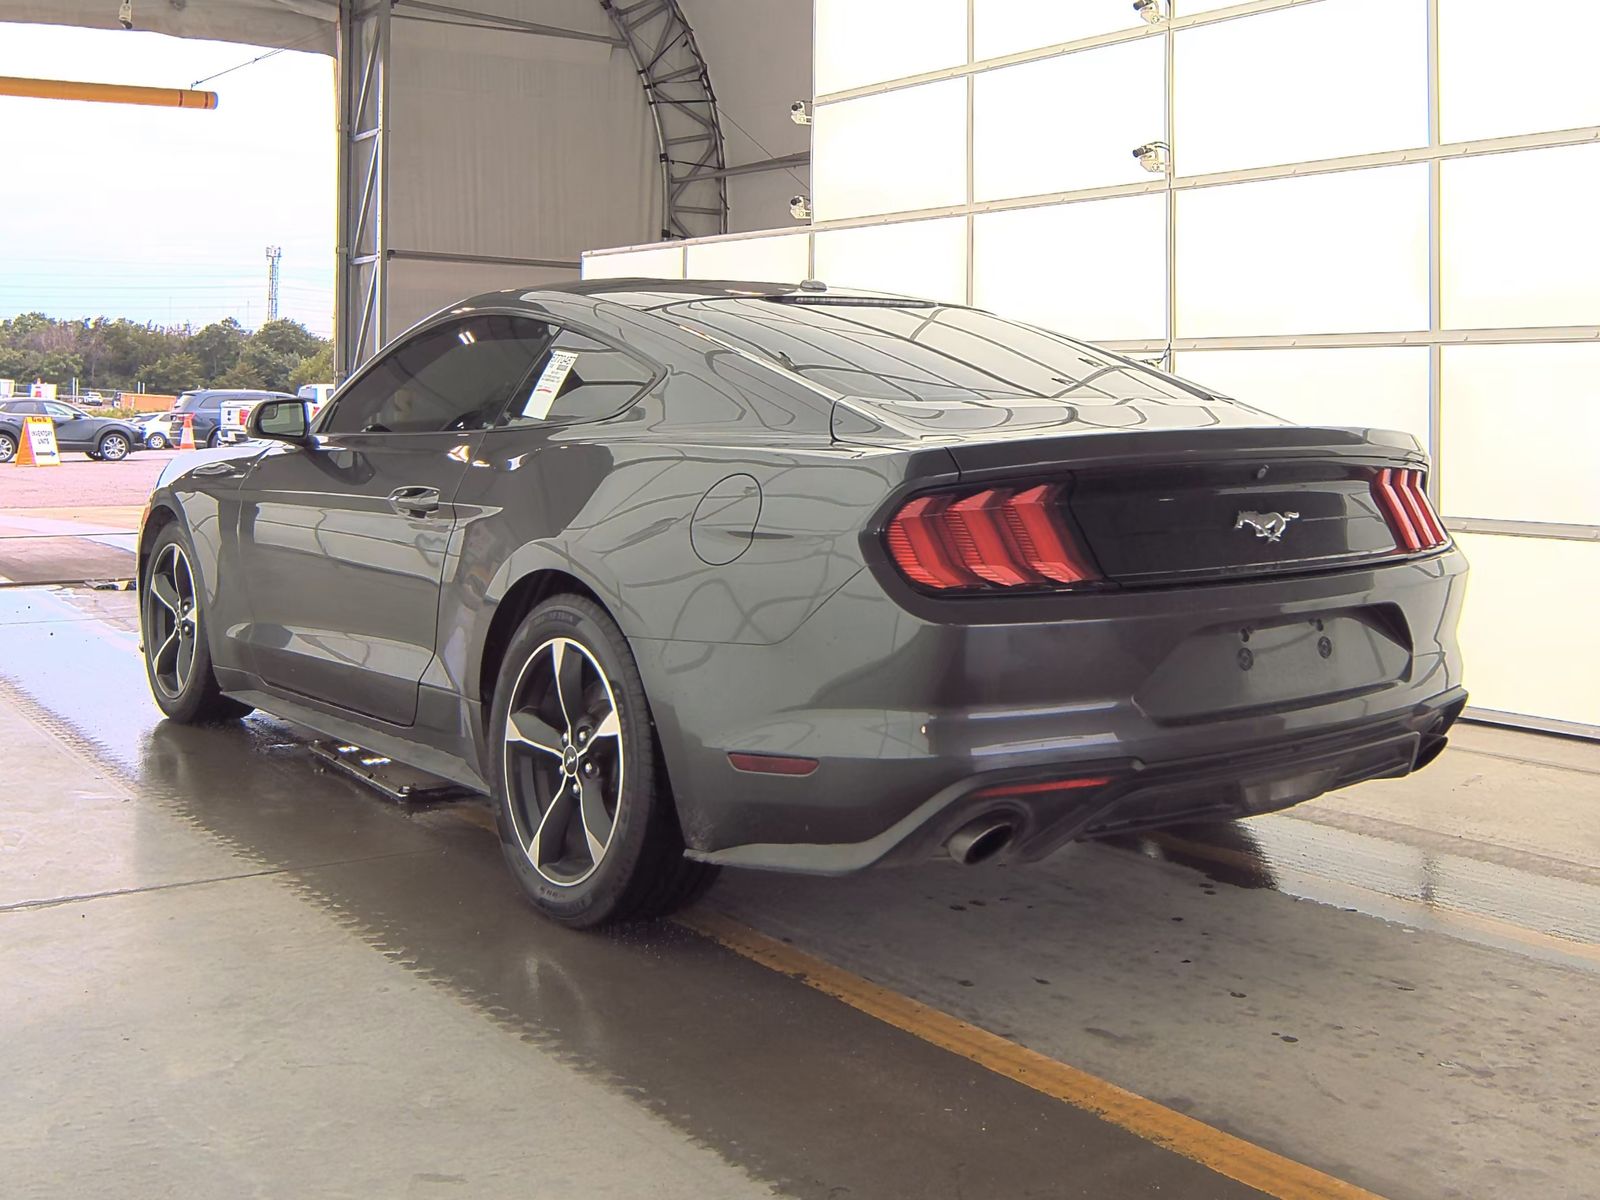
{"x":726,"y":117}
{"x":303,"y":42}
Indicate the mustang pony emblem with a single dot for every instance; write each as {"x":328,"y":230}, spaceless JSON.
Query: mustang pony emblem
{"x":1266,"y":525}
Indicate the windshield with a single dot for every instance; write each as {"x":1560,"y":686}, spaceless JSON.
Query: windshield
{"x":917,"y":351}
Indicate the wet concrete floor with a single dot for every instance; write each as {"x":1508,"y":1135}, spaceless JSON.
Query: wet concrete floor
{"x":223,"y":971}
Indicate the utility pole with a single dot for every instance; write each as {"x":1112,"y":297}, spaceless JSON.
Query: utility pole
{"x":274,"y":254}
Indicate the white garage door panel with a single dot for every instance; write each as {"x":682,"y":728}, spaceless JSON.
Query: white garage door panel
{"x":1499,"y":75}
{"x":892,"y":153}
{"x":1528,"y":630}
{"x":1094,"y":269}
{"x":915,"y":258}
{"x":860,"y":43}
{"x":1385,"y":388}
{"x":1010,"y":158}
{"x":1520,"y":241}
{"x":781,"y":259}
{"x":1320,"y":81}
{"x":1328,"y":253}
{"x":1522,"y":433}
{"x":1009,"y":26}
{"x":656,"y":262}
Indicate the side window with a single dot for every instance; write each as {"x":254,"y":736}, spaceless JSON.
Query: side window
{"x":59,"y":411}
{"x":581,"y":380}
{"x":455,"y":376}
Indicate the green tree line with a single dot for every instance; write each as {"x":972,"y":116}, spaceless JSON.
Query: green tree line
{"x":107,"y":355}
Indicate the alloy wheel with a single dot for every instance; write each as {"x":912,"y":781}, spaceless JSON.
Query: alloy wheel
{"x":564,"y":762}
{"x":114,"y":447}
{"x":8,"y":447}
{"x":171,"y":620}
{"x":156,"y":442}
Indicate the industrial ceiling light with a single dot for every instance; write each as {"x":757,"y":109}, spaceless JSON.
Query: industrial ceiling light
{"x":798,"y":113}
{"x":800,"y":208}
{"x":125,"y":14}
{"x":1150,"y":10}
{"x":1154,"y":157}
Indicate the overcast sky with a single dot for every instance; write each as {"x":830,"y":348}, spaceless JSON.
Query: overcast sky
{"x":165,"y":214}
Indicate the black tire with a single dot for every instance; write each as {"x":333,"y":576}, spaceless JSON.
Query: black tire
{"x":215,"y":439}
{"x":113,"y":447}
{"x":8,"y":446}
{"x":92,"y":455}
{"x":641,"y":872}
{"x":156,"y":441}
{"x":187,"y":694}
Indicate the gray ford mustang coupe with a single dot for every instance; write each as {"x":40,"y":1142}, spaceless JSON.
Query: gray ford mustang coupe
{"x":688,"y":574}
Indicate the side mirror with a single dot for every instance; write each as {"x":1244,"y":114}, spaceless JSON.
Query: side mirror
{"x":280,"y":421}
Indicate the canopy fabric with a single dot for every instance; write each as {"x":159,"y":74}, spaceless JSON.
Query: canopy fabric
{"x":276,"y":24}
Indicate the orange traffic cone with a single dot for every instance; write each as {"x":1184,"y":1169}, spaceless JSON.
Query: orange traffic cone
{"x":187,"y":441}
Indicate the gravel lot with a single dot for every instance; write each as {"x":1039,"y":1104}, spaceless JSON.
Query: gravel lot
{"x":81,"y":482}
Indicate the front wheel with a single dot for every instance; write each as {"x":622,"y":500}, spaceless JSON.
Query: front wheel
{"x":8,"y":447}
{"x":113,"y":447}
{"x":586,"y":819}
{"x":177,"y":658}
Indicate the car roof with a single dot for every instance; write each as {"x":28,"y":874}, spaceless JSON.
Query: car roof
{"x":233,"y":392}
{"x":644,"y":294}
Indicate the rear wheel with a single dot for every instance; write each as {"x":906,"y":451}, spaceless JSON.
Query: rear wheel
{"x":155,"y":441}
{"x":214,"y":440}
{"x":113,"y":447}
{"x":587,"y":822}
{"x":177,"y":658}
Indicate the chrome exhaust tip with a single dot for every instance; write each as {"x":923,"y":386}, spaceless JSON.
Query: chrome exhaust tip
{"x":980,"y":840}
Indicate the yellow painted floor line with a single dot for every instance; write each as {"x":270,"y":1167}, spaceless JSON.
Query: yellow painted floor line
{"x":1221,"y":1152}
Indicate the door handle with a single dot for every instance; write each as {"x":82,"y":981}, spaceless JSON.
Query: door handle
{"x":414,"y":501}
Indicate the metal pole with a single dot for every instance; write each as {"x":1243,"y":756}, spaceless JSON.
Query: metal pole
{"x":1435,"y":262}
{"x":380,"y":216}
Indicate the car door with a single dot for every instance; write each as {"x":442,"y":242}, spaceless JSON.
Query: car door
{"x":342,"y":542}
{"x":74,"y":430}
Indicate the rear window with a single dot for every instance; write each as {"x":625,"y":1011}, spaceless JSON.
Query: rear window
{"x":919,"y":351}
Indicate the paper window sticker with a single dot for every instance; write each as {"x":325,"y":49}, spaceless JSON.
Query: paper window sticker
{"x":549,"y":386}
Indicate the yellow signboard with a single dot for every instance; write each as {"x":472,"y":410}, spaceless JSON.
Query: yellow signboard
{"x":38,"y":447}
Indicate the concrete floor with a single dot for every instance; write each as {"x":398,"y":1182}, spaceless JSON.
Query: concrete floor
{"x":223,"y":972}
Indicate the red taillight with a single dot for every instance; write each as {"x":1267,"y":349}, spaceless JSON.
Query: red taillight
{"x":1405,"y":507}
{"x":997,"y":537}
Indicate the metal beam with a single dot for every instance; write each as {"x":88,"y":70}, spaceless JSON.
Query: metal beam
{"x":482,"y":20}
{"x":1132,"y":34}
{"x":361,"y":313}
{"x":677,"y":92}
{"x":494,"y":260}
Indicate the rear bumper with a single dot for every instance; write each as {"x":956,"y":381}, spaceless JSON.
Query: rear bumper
{"x":1138,"y":796}
{"x":1349,"y":676}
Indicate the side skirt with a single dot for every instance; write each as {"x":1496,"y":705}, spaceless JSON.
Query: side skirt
{"x":397,"y":744}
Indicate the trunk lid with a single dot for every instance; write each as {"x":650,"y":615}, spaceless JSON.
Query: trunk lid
{"x":1161,"y":503}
